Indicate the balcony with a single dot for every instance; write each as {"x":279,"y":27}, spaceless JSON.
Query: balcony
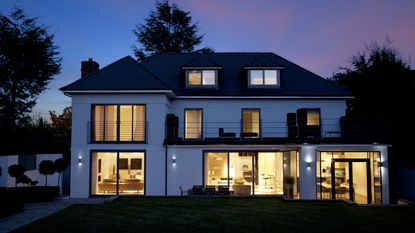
{"x":117,"y":132}
{"x":265,"y":132}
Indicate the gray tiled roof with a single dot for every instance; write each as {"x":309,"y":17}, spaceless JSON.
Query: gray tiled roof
{"x":164,"y":72}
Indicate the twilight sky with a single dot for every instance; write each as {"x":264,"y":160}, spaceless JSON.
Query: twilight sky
{"x":318,"y":35}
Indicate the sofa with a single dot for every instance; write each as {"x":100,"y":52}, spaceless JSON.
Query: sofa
{"x":110,"y":185}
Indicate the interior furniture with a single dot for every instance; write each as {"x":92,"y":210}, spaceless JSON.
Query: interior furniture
{"x":241,"y":189}
{"x":222,"y":134}
{"x":249,"y":135}
{"x":110,"y":185}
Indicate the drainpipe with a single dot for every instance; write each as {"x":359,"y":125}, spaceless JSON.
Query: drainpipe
{"x":165,"y":170}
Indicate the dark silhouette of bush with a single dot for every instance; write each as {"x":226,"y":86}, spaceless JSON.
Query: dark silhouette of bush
{"x":47,"y":167}
{"x":16,"y":171}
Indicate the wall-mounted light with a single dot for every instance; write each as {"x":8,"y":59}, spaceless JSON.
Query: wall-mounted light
{"x":308,"y":164}
{"x":380,"y":164}
{"x":173,"y":161}
{"x":79,"y":159}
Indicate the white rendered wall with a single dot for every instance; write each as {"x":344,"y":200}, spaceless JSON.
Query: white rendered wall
{"x":273,"y":113}
{"x":187,"y":171}
{"x":307,"y":172}
{"x":156,"y":110}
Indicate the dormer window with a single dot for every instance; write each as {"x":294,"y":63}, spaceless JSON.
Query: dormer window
{"x":201,"y":78}
{"x":263,"y":78}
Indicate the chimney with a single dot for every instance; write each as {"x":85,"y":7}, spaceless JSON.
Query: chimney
{"x":88,"y":67}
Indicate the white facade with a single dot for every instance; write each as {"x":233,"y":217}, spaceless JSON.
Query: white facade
{"x":167,"y":168}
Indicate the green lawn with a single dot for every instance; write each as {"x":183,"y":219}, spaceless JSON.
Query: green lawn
{"x":224,"y":215}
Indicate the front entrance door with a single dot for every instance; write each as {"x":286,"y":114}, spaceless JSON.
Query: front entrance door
{"x":350,"y":179}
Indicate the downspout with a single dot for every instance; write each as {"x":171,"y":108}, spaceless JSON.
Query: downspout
{"x":165,"y":170}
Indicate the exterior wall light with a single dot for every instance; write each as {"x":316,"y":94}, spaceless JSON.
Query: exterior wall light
{"x":173,"y":161}
{"x":79,"y":159}
{"x":308,"y":164}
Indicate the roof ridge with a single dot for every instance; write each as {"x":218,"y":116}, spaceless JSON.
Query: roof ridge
{"x":152,"y":74}
{"x":199,"y":57}
{"x":256,"y":58}
{"x":91,"y":75}
{"x":194,"y":59}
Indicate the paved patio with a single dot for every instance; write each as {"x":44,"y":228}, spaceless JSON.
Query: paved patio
{"x":34,"y":211}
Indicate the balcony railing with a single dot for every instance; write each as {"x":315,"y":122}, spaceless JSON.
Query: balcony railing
{"x":117,"y":132}
{"x":329,"y":128}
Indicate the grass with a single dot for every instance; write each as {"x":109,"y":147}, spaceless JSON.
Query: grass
{"x":224,"y":215}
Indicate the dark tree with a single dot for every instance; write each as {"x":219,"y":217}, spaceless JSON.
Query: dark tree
{"x":167,"y":29}
{"x":60,"y":166}
{"x":61,"y":129}
{"x":28,"y":61}
{"x":16,"y":171}
{"x":384,"y":89}
{"x":47,"y":167}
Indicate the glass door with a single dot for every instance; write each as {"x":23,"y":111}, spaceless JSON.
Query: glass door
{"x":340,"y":181}
{"x":350,"y":180}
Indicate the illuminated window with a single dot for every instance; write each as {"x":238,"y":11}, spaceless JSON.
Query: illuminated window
{"x":115,"y":173}
{"x":313,"y":118}
{"x":251,"y":123}
{"x":193,"y":123}
{"x":201,"y":78}
{"x":118,"y":123}
{"x":263,"y":78}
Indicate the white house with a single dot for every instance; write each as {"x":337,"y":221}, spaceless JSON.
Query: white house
{"x":234,"y":123}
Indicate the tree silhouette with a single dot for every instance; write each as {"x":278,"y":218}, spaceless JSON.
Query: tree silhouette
{"x":28,"y":61}
{"x":16,"y":171}
{"x":60,"y":166}
{"x":47,"y":167}
{"x":167,"y":29}
{"x":384,"y":89}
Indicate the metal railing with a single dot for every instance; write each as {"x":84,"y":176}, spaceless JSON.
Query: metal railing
{"x":117,"y":131}
{"x":327,"y":128}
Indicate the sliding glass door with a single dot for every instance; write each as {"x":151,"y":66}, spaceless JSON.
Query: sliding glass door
{"x":249,"y":173}
{"x":115,"y":173}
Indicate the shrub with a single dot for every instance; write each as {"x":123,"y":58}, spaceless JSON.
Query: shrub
{"x":9,"y":203}
{"x":16,"y":171}
{"x":34,"y":193}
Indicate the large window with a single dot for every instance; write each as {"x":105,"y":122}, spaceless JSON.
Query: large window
{"x":125,"y":123}
{"x":248,"y":173}
{"x":117,"y":173}
{"x":250,"y":123}
{"x":193,"y":123}
{"x":201,"y":78}
{"x":263,"y":78}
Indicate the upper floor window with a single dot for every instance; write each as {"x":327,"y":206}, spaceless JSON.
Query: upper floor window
{"x":263,"y":78}
{"x":124,"y":123}
{"x":250,"y":123}
{"x":201,"y":78}
{"x":313,"y":117}
{"x":193,"y":123}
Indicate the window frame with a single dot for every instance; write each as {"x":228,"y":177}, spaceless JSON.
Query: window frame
{"x":259,"y":123}
{"x":91,"y":138}
{"x":201,"y":124}
{"x":263,"y":85}
{"x":216,"y":73}
{"x":117,"y":151}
